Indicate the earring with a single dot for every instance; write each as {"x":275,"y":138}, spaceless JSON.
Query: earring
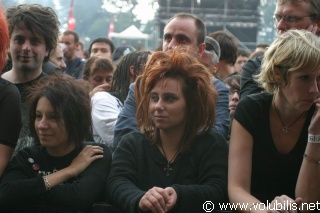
{"x":277,"y":77}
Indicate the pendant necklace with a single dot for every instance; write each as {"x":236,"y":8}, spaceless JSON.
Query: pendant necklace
{"x":168,"y":169}
{"x":286,"y":128}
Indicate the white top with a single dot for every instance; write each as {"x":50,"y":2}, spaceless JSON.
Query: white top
{"x":105,"y":111}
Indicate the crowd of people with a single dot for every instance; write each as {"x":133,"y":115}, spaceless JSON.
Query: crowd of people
{"x":198,"y":119}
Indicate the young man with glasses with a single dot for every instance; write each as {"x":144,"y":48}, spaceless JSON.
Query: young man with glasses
{"x":289,"y":14}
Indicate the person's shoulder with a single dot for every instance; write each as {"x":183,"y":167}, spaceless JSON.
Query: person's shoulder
{"x":81,"y":60}
{"x":133,"y":139}
{"x":77,"y":62}
{"x":209,"y":141}
{"x":212,"y":137}
{"x":253,"y":105}
{"x":257,"y":97}
{"x":50,"y":68}
{"x":8,"y":86}
{"x":218,"y":83}
{"x":134,"y":136}
{"x":257,"y":60}
{"x":106,"y":98}
{"x":252,"y":64}
{"x":132,"y":85}
{"x":107,"y":151}
{"x":92,"y":143}
{"x":7,"y":76}
{"x":4,"y":83}
{"x":31,"y":151}
{"x":103,"y":95}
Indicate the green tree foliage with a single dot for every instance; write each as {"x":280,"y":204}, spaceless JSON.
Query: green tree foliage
{"x":124,"y":20}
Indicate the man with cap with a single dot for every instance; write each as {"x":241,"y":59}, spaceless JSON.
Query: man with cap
{"x":121,"y":51}
{"x":211,"y":55}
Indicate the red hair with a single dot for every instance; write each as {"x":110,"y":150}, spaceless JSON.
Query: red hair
{"x":4,"y":38}
{"x":181,"y":64}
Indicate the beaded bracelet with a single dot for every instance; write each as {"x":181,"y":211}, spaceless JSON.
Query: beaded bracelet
{"x":46,"y":183}
{"x":308,"y":158}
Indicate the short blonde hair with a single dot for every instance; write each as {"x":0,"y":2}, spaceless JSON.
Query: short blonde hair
{"x":294,"y":50}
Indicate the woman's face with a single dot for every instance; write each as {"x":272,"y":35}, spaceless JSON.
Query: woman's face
{"x":51,"y":136}
{"x":167,"y":106}
{"x":303,"y":89}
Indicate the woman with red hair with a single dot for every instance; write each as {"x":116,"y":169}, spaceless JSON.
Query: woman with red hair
{"x":10,"y":106}
{"x":175,"y":164}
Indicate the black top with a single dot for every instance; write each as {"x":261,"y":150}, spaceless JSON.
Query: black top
{"x":247,"y":84}
{"x":273,"y":173}
{"x":23,"y":87}
{"x":50,"y":68}
{"x":22,"y":184}
{"x":24,"y":138}
{"x":197,"y":176}
{"x":10,"y":113}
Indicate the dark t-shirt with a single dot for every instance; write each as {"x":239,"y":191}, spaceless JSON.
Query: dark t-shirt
{"x":22,"y":184}
{"x":24,"y":137}
{"x":10,"y":113}
{"x":273,"y":173}
{"x":75,"y":67}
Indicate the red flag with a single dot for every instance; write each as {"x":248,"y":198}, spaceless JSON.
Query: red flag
{"x":111,"y":29}
{"x":71,"y":19}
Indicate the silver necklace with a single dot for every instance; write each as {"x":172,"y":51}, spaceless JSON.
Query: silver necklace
{"x":286,"y":128}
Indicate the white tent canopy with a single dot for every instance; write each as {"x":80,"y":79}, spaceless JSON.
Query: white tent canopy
{"x":131,"y":32}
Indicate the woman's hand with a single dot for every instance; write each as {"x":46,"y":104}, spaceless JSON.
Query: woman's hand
{"x":87,"y":155}
{"x":314,"y":127}
{"x":284,"y":204}
{"x":157,"y":200}
{"x":172,"y":198}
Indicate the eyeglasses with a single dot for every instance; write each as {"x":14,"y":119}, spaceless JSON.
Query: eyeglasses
{"x":233,"y":91}
{"x":288,"y":19}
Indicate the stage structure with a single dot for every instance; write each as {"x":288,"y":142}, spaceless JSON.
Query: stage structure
{"x":240,"y":17}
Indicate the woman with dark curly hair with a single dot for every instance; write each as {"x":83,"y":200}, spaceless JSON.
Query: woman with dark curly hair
{"x":66,"y":169}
